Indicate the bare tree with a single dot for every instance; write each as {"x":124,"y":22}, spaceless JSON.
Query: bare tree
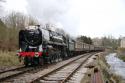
{"x":32,"y":21}
{"x":19,"y":20}
{"x":14,"y":22}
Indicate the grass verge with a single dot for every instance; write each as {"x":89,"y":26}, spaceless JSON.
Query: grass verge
{"x":8,"y":59}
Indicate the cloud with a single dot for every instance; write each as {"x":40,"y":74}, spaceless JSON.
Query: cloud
{"x":102,"y":17}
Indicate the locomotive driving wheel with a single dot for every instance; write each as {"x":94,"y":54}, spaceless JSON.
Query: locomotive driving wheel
{"x":59,"y":56}
{"x":41,"y":61}
{"x":26,"y":61}
{"x":35,"y":61}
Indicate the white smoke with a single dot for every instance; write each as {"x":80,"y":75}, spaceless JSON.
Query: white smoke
{"x":47,"y":9}
{"x":55,"y":12}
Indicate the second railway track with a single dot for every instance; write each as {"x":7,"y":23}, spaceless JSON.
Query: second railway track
{"x":8,"y":74}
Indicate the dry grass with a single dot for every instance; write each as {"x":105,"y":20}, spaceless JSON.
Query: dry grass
{"x":8,"y":59}
{"x":117,"y":78}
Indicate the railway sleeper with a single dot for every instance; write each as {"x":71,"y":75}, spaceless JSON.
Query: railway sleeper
{"x":43,"y":81}
{"x":53,"y":78}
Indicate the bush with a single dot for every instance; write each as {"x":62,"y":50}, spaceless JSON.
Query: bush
{"x":122,"y":57}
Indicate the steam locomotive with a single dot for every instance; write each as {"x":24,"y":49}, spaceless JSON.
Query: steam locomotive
{"x":38,"y":46}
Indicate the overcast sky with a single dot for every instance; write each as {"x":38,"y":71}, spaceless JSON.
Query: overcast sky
{"x":94,"y":18}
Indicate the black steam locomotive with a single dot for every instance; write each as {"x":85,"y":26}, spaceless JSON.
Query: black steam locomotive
{"x":39,"y":46}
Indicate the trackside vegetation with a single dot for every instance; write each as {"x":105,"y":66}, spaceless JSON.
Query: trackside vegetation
{"x":8,"y":59}
{"x":121,"y":53}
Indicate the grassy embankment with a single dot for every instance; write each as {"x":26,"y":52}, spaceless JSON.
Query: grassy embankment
{"x":8,"y":59}
{"x":108,"y":76}
{"x":121,"y":53}
{"x":103,"y":66}
{"x":8,"y":45}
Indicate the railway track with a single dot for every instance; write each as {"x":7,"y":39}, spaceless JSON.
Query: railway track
{"x":9,"y":76}
{"x":12,"y":69}
{"x":63,"y":73}
{"x":4,"y":75}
